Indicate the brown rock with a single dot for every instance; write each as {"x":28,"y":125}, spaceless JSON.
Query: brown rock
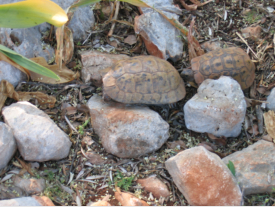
{"x":154,"y":185}
{"x":254,"y":167}
{"x":43,"y":200}
{"x":31,"y":186}
{"x":94,"y":64}
{"x":203,"y":178}
{"x":252,"y":32}
{"x":127,"y":131}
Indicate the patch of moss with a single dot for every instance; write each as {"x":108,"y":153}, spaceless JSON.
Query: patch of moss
{"x":253,"y":16}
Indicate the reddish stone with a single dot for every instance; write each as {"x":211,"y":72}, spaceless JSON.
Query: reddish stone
{"x":203,"y":178}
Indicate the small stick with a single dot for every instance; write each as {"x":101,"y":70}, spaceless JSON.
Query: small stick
{"x":115,"y":17}
{"x":240,"y":36}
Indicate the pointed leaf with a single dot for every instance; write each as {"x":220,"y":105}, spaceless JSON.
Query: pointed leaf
{"x":26,"y":63}
{"x":83,"y":3}
{"x":231,"y":167}
{"x":30,"y":13}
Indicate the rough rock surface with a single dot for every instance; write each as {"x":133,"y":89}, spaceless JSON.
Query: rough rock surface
{"x":24,"y":201}
{"x":7,"y":145}
{"x":94,"y":63}
{"x":31,"y":186}
{"x":271,"y":100}
{"x":38,"y":138}
{"x":218,"y":108}
{"x":28,"y":43}
{"x":11,"y":74}
{"x":160,"y":37}
{"x":154,"y":185}
{"x":127,"y":131}
{"x":254,"y":167}
{"x":203,"y":178}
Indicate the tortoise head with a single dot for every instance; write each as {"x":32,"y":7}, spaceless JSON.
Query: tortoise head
{"x":188,"y":76}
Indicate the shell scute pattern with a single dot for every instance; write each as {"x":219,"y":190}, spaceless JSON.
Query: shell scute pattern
{"x":232,"y":62}
{"x":144,"y":79}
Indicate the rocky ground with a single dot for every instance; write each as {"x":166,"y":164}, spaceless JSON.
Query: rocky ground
{"x":89,"y":173}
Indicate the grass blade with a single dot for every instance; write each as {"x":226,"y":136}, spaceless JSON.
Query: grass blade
{"x":26,"y":63}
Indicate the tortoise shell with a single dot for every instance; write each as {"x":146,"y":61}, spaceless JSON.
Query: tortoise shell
{"x":232,"y":62}
{"x":144,"y":79}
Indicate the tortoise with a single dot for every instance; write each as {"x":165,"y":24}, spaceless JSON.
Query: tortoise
{"x":144,"y":80}
{"x":231,"y":61}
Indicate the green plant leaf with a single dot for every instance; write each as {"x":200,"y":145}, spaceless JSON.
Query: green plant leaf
{"x":83,"y":3}
{"x":27,"y":63}
{"x":231,"y":167}
{"x":30,"y":13}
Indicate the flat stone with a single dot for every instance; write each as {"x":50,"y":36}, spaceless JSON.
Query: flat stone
{"x":24,"y":201}
{"x":218,"y":108}
{"x":127,"y":131}
{"x":94,"y":64}
{"x":38,"y":138}
{"x":7,"y":144}
{"x":31,"y":186}
{"x":11,"y":74}
{"x":203,"y":178}
{"x":161,"y":38}
{"x":271,"y":100}
{"x":254,"y":167}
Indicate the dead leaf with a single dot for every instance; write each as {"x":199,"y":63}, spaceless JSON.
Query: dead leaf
{"x":222,"y":140}
{"x":194,"y":48}
{"x":64,"y":73}
{"x":131,"y":40}
{"x":42,"y":98}
{"x":87,"y":140}
{"x":26,"y":166}
{"x":95,"y":159}
{"x":192,"y":7}
{"x":127,"y":199}
{"x":68,"y":45}
{"x":206,"y":146}
{"x":179,"y":145}
{"x":269,"y":119}
{"x":7,"y":90}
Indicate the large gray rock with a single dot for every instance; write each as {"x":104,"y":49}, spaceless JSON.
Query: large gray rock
{"x":271,"y":100}
{"x":218,"y":108}
{"x":127,"y":131}
{"x":161,"y":38}
{"x":11,"y":74}
{"x":38,"y":138}
{"x":7,"y":144}
{"x":203,"y":178}
{"x":254,"y":167}
{"x":24,"y":201}
{"x":28,"y":43}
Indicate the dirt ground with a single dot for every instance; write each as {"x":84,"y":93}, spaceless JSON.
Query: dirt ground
{"x":219,"y":20}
